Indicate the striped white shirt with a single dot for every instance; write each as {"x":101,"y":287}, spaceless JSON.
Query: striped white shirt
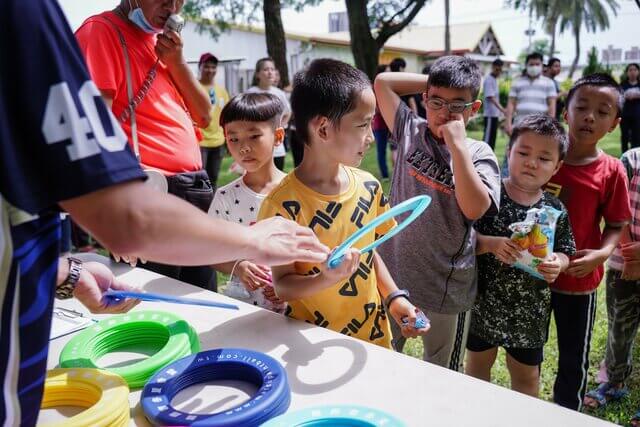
{"x":531,"y":96}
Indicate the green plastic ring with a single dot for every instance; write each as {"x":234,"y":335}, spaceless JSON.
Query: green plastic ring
{"x":173,"y":334}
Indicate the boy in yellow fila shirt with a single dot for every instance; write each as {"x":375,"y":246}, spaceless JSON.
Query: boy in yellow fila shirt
{"x":333,"y":105}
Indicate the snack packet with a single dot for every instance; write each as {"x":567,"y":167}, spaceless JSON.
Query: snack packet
{"x":535,"y":235}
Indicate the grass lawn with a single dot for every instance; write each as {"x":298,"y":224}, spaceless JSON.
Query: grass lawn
{"x":618,"y":413}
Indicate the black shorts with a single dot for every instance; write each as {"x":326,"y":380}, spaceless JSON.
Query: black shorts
{"x":526,"y":356}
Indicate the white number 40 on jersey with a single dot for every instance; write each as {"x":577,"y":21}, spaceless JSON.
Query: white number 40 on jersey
{"x":62,"y":122}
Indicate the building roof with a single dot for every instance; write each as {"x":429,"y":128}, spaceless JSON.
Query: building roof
{"x":419,"y":40}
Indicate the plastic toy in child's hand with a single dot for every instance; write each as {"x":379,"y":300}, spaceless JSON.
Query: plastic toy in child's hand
{"x":535,"y":236}
{"x":416,"y":205}
{"x":421,"y":320}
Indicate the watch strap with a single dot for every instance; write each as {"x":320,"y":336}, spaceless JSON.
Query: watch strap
{"x":65,"y":290}
{"x":398,"y":293}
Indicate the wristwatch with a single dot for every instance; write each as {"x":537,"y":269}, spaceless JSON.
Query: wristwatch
{"x":393,"y":295}
{"x":65,"y":290}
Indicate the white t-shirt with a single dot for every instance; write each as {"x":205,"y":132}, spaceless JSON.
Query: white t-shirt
{"x":490,"y":88}
{"x":278,"y":151}
{"x":235,"y":202}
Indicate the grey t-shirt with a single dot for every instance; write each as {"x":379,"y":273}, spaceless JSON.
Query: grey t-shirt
{"x":490,"y":88}
{"x":434,"y":257}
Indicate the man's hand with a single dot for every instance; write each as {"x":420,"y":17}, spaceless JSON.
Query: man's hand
{"x":453,"y":132}
{"x":401,"y":308}
{"x":169,"y":48}
{"x":348,"y":266}
{"x":95,"y":280}
{"x":551,"y":268}
{"x":253,"y":276}
{"x":129,"y":259}
{"x":505,"y":249}
{"x":584,"y":262}
{"x":281,"y":241}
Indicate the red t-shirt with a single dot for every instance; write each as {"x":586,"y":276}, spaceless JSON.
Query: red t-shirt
{"x":590,"y":193}
{"x":166,"y":134}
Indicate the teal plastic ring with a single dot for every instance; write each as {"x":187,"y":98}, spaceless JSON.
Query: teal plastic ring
{"x":416,"y":205}
{"x":338,"y":415}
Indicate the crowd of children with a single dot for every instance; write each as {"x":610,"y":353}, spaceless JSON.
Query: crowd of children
{"x":456,"y":261}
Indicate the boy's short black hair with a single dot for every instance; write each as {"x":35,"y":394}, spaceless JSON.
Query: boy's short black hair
{"x":397,"y":63}
{"x":600,"y":80}
{"x":543,"y":125}
{"x":497,"y":62}
{"x":456,"y":72}
{"x":533,"y":55}
{"x":252,"y":107}
{"x":552,"y":61}
{"x":328,"y":88}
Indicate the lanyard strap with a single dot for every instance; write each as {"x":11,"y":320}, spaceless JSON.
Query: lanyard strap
{"x":134,"y":101}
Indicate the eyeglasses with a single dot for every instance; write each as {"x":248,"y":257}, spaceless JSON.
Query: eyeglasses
{"x":453,"y":107}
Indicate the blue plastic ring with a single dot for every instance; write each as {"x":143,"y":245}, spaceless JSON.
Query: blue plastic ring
{"x":416,"y":204}
{"x":272,"y":398}
{"x":343,"y":415}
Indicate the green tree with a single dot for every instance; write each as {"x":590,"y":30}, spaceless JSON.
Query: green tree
{"x":593,"y":65}
{"x":447,"y":35}
{"x":215,"y":15}
{"x":372,"y":23}
{"x":547,"y":10}
{"x":591,"y":14}
{"x":573,"y":15}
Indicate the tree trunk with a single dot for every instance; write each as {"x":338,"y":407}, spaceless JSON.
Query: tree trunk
{"x":363,"y":45}
{"x":574,"y":65}
{"x":552,"y":33}
{"x":276,"y":41}
{"x":447,"y":36}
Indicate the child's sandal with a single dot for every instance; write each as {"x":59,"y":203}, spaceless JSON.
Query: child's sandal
{"x":604,"y":394}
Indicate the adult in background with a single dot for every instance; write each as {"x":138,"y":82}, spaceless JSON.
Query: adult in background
{"x":212,"y":143}
{"x":630,"y":124}
{"x":381,"y":134}
{"x":264,"y":79}
{"x":554,"y":67}
{"x":530,"y":93}
{"x":61,"y":148}
{"x":491,"y":103}
{"x":143,"y":76}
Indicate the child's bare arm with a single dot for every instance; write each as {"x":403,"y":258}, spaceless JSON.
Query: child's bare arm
{"x":290,"y":285}
{"x":390,"y":86}
{"x":587,"y":260}
{"x":471,"y":193}
{"x":399,"y":308}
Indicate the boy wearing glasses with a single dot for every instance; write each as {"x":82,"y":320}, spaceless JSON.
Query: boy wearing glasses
{"x":435,"y":257}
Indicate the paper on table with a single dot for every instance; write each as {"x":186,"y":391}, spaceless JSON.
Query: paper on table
{"x":66,"y":321}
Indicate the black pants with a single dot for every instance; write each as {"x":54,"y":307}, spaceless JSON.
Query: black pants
{"x":195,"y":188}
{"x":297,"y":147}
{"x":574,"y":315}
{"x":490,"y":131}
{"x":211,"y":161}
{"x":630,"y":132}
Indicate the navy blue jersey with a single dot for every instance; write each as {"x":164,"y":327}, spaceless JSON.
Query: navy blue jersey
{"x":58,"y":140}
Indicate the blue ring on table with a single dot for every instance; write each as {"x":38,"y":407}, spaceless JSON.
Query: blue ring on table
{"x":415,"y":204}
{"x":272,"y":398}
{"x":332,"y":415}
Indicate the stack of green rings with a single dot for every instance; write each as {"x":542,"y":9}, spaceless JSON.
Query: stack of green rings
{"x":155,"y":329}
